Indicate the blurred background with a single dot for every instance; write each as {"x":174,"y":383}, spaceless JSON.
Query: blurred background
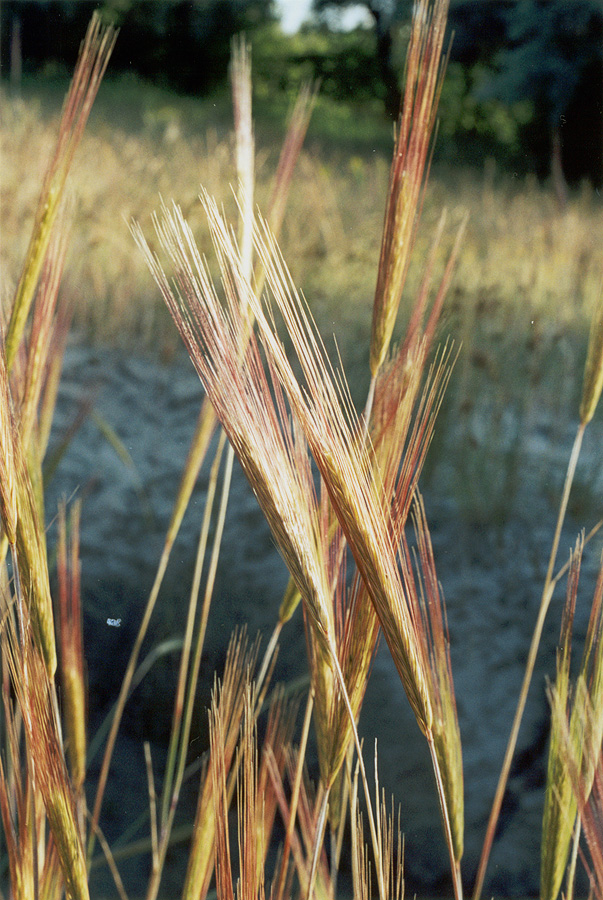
{"x":525,"y":77}
{"x":519,"y":149}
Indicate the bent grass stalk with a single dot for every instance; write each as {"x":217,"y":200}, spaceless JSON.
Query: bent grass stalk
{"x":204,"y":430}
{"x":591,"y":393}
{"x":267,"y":449}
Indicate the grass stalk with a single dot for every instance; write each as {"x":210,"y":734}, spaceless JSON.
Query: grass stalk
{"x":571,"y":869}
{"x":545,"y":600}
{"x":183,"y":724}
{"x":358,"y":745}
{"x":319,"y":834}
{"x":152,"y":806}
{"x":282,"y":874}
{"x":92,"y":62}
{"x":109,"y":858}
{"x":176,"y":736}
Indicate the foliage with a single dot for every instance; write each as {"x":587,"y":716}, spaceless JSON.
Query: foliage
{"x":551,"y":54}
{"x":184,"y":44}
{"x":476,"y":125}
{"x":548,"y":48}
{"x":343,"y":63}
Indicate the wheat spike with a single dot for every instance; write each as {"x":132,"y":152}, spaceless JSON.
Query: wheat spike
{"x":408,"y":175}
{"x":92,"y":62}
{"x":593,"y":368}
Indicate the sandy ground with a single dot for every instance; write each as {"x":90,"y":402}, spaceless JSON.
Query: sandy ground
{"x":491,"y":569}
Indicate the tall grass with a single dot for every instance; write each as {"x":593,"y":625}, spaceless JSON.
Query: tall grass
{"x":340,"y":491}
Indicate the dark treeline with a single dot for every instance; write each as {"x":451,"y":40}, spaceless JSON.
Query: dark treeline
{"x":548,"y":53}
{"x":184,"y":44}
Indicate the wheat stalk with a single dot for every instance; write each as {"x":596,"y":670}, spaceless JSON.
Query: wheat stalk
{"x":408,"y":175}
{"x":92,"y":62}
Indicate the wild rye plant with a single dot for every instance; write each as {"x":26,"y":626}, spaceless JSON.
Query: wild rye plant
{"x":339,"y":490}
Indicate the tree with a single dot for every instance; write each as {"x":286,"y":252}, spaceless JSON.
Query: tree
{"x":185,"y":43}
{"x":550,"y":52}
{"x":386,"y":15}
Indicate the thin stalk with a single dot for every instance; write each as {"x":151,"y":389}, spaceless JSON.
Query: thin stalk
{"x":344,"y":805}
{"x":571,"y":870}
{"x":282,"y":877}
{"x":268,"y":655}
{"x":123,"y":696}
{"x":153,"y":887}
{"x":455,"y":866}
{"x":152,"y":804}
{"x":318,"y":839}
{"x":188,"y":633}
{"x":34,"y":831}
{"x":368,"y":408}
{"x":109,"y":858}
{"x":374,"y":836}
{"x":545,"y":601}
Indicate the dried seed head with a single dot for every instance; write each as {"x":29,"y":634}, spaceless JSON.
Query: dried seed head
{"x":94,"y":56}
{"x":228,"y":703}
{"x":593,"y":369}
{"x":424,"y":76}
{"x":34,"y":693}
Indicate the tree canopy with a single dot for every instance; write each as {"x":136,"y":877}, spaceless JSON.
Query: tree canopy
{"x":185,"y":43}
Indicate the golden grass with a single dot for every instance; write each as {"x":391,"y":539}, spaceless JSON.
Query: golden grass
{"x":289,"y":435}
{"x":522,"y":259}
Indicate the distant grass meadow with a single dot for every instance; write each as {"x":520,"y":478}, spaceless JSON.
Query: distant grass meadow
{"x":527,"y":267}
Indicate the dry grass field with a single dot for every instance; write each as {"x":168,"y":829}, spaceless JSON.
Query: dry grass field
{"x":528,"y":267}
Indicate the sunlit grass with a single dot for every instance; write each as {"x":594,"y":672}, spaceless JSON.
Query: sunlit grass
{"x":526,"y":267}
